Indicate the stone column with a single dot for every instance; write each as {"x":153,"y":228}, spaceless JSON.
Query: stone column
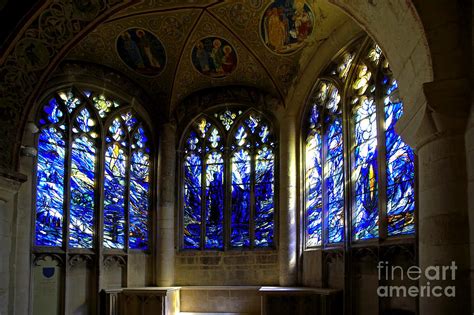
{"x":470,"y":190}
{"x":165,"y":245}
{"x":9,"y":187}
{"x":288,"y":201}
{"x":443,"y":202}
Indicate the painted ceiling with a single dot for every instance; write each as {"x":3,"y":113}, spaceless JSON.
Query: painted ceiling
{"x":173,"y":48}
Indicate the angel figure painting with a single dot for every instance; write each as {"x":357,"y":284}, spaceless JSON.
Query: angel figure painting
{"x":142,"y":51}
{"x":286,"y":25}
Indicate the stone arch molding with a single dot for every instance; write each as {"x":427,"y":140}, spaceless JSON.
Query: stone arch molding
{"x":31,"y":56}
{"x":45,"y":38}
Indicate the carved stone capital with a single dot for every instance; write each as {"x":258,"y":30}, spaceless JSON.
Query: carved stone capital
{"x":444,"y":114}
{"x":10,"y":183}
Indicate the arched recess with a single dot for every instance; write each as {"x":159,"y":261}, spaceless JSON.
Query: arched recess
{"x":116,"y":267}
{"x":399,"y":32}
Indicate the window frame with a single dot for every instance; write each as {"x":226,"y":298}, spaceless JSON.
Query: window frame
{"x":103,"y":124}
{"x":227,"y":137}
{"x":360,"y":47}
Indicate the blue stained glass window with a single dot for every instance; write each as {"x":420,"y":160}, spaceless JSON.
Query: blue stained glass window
{"x":214,"y":200}
{"x":83,"y":160}
{"x":368,"y":96}
{"x":249,"y":193}
{"x":264,"y":192}
{"x":324,"y":179}
{"x":139,"y":200}
{"x":51,"y":113}
{"x":240,"y":223}
{"x":192,"y":201}
{"x":400,"y":171}
{"x":365,"y":214}
{"x":72,"y":120}
{"x":314,"y":196}
{"x":50,"y":188}
{"x":70,"y":99}
{"x":114,"y":197}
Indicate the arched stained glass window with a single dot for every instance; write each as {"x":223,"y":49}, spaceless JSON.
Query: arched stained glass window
{"x":350,"y":132}
{"x":229,"y":181}
{"x":79,"y":131}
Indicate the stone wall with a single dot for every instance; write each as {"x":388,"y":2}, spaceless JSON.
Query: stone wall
{"x":227,"y":268}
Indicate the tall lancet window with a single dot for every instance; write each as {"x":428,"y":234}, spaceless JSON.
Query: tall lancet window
{"x":228,"y":190}
{"x":359,"y":174}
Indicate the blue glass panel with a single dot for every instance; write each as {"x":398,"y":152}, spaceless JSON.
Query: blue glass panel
{"x":114,"y":192}
{"x":214,"y":138}
{"x":334,"y":99}
{"x":264,"y":213}
{"x":400,"y":162}
{"x":192,"y":201}
{"x":192,"y":143}
{"x":365,"y":129}
{"x":365,"y":216}
{"x":400,"y":173}
{"x":81,"y":225}
{"x":264,"y":168}
{"x":335,"y":187}
{"x":314,"y":117}
{"x":52,"y":113}
{"x":240,"y":235}
{"x":264,"y":133}
{"x":335,"y":127}
{"x":139,"y":201}
{"x":240,"y":136}
{"x":333,"y":166}
{"x":365,"y":109}
{"x":214,"y":201}
{"x":241,"y":167}
{"x":70,"y":100}
{"x":365,"y":178}
{"x":335,"y":221}
{"x":365,"y":152}
{"x":335,"y":146}
{"x":313,"y":180}
{"x":140,"y":138}
{"x":401,"y":208}
{"x":400,"y":157}
{"x":116,"y":130}
{"x":84,"y":121}
{"x":252,"y":122}
{"x":50,"y":188}
{"x":130,"y":120}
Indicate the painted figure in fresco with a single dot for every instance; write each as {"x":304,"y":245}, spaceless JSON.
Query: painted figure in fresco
{"x":217,"y":55}
{"x":228,"y":59}
{"x":132,"y":50}
{"x":214,"y":57}
{"x":203,"y":57}
{"x":302,"y":24}
{"x":276,"y":30}
{"x":145,"y":48}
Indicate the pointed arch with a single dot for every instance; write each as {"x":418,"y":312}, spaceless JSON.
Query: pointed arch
{"x":228,"y":180}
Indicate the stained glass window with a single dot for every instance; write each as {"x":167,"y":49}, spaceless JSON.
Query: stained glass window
{"x":367,"y":148}
{"x":228,"y":183}
{"x":68,"y":173}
